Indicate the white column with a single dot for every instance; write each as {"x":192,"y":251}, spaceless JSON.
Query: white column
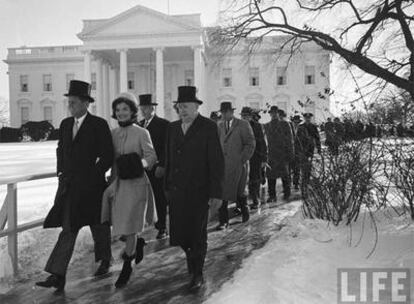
{"x":105,"y":99}
{"x":199,"y":77}
{"x":87,"y":66}
{"x":123,"y":72}
{"x":159,"y":82}
{"x":99,"y":88}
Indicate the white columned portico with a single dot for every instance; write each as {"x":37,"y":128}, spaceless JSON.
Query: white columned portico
{"x":99,"y":88}
{"x":159,"y":82}
{"x":105,"y":93}
{"x":87,"y":66}
{"x":199,"y":77}
{"x":123,"y":70}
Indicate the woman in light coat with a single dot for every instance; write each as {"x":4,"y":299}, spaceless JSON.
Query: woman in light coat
{"x":129,"y":203}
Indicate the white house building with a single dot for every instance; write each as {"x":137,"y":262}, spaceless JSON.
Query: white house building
{"x":146,"y":51}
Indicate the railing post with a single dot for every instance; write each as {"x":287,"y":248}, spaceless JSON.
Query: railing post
{"x":12,"y":224}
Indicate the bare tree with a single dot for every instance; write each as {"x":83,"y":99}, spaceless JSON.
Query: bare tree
{"x":374,"y":35}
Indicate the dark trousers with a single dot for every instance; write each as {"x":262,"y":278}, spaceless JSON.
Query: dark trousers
{"x":196,"y":251}
{"x":62,"y":253}
{"x":298,"y":169}
{"x":224,"y":211}
{"x":160,"y":200}
{"x":254,"y":180}
{"x":271,"y":183}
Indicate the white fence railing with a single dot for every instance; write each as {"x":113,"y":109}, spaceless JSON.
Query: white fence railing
{"x":8,"y":215}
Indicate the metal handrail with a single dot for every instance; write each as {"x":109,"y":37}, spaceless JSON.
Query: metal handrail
{"x":8,"y":214}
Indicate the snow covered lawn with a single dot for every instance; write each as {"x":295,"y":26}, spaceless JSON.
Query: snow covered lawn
{"x":300,"y":264}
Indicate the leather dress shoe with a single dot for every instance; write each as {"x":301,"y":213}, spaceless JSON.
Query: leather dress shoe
{"x":53,"y":280}
{"x":222,"y":226}
{"x":197,"y":282}
{"x":103,"y":268}
{"x":162,"y":234}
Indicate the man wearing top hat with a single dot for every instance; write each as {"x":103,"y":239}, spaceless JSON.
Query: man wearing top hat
{"x":280,"y":153}
{"x":259,"y":157}
{"x":194,"y":165}
{"x":84,"y":154}
{"x":238,"y":144}
{"x":157,"y":128}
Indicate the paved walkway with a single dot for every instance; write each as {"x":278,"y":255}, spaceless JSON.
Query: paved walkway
{"x":162,"y":276}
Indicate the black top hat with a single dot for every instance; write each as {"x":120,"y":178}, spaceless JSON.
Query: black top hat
{"x":297,"y":118}
{"x":226,"y":106}
{"x":247,"y":111}
{"x":273,"y":109}
{"x":146,"y":100}
{"x":187,"y":94}
{"x":80,"y":89}
{"x":306,"y":115}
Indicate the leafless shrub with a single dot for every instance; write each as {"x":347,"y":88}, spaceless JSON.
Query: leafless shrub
{"x":340,"y":185}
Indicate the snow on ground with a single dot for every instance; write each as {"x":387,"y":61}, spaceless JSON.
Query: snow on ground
{"x":300,"y":264}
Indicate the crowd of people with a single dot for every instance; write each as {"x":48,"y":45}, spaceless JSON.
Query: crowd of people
{"x":168,"y":170}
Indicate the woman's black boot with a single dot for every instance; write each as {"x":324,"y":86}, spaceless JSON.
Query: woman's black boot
{"x":139,"y":253}
{"x":125,"y":272}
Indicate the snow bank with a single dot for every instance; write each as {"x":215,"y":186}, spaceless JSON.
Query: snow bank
{"x":299,"y":265}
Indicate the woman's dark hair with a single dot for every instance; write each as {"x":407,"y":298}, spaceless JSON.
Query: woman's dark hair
{"x":133,"y":107}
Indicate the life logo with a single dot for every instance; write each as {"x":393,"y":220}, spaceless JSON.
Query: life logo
{"x":374,"y":285}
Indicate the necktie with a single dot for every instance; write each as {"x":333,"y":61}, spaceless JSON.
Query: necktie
{"x":184,"y":127}
{"x":227,"y":126}
{"x":75,"y":128}
{"x":146,"y":124}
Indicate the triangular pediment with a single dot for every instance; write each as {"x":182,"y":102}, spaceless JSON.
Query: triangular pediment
{"x":137,"y":20}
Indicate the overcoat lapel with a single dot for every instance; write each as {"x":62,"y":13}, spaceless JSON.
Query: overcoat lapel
{"x":82,"y":127}
{"x":193,"y":129}
{"x":233,"y":126}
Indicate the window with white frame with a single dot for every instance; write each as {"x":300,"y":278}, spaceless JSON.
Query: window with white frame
{"x":227,"y":78}
{"x":48,"y":114}
{"x":93,"y":81}
{"x":47,"y":82}
{"x":281,"y":76}
{"x":69,"y":78}
{"x":254,"y":80}
{"x":24,"y":114}
{"x":309,"y":74}
{"x":24,"y":83}
{"x":189,"y":77}
{"x":131,"y":81}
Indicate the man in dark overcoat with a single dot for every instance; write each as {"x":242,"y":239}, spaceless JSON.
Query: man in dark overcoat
{"x":157,"y":128}
{"x":280,"y":153}
{"x":238,"y":144}
{"x":194,"y":169}
{"x":302,"y":144}
{"x":84,"y":154}
{"x":259,"y":157}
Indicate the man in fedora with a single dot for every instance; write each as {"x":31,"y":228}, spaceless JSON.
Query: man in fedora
{"x":157,"y":128}
{"x":280,"y":154}
{"x":259,"y":158}
{"x":193,"y":176}
{"x":302,"y":142}
{"x":84,"y":154}
{"x":238,"y":144}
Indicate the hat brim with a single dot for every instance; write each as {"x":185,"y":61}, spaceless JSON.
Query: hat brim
{"x":149,"y":104}
{"x":91,"y":99}
{"x":224,"y":110}
{"x":189,"y":101}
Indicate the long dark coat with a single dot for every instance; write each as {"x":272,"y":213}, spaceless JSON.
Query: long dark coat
{"x":280,"y":145}
{"x":158,"y":131}
{"x":238,"y":147}
{"x":82,"y":163}
{"x":194,"y":167}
